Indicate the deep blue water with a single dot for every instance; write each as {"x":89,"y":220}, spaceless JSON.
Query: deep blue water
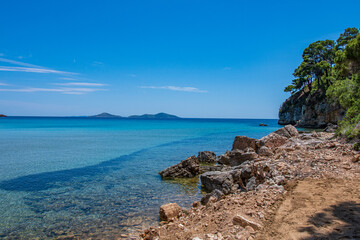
{"x":99,"y":178}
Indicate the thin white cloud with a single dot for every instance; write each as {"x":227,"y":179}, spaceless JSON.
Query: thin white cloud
{"x":26,"y":67}
{"x":4,"y":84}
{"x":132,"y":75}
{"x":32,"y":70}
{"x":60,"y":90}
{"x":68,"y":78}
{"x":1,"y":54}
{"x":81,"y":84}
{"x":18,"y":63}
{"x":174,"y":88}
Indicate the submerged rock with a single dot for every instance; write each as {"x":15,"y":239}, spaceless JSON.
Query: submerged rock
{"x":187,"y":169}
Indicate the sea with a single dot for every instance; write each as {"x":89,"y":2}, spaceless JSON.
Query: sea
{"x":88,"y":178}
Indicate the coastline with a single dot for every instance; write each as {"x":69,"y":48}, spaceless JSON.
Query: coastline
{"x":306,"y":159}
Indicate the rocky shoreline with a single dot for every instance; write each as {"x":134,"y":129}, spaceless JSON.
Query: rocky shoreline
{"x":248,"y":183}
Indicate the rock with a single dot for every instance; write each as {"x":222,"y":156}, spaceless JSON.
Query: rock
{"x":204,"y":169}
{"x":251,"y":184}
{"x":265,"y":151}
{"x":273,"y":140}
{"x":311,"y":110}
{"x":243,"y":235}
{"x":332,"y":127}
{"x":288,"y":131}
{"x":263,"y":125}
{"x":196,"y":204}
{"x":280,"y":180}
{"x":196,"y":238}
{"x":215,"y":194}
{"x":356,"y":158}
{"x":169,"y":211}
{"x":244,"y":221}
{"x":187,"y":169}
{"x":150,"y":234}
{"x":243,"y":142}
{"x":2,"y":115}
{"x":207,"y":157}
{"x":222,"y":181}
{"x":237,"y":157}
{"x":292,"y":130}
{"x":224,"y":158}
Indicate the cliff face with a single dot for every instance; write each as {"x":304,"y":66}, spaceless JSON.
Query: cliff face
{"x":310,"y":110}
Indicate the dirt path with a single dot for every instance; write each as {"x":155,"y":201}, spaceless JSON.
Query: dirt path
{"x":318,"y":209}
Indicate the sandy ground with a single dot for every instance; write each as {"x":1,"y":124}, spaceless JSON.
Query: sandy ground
{"x":317,"y":209}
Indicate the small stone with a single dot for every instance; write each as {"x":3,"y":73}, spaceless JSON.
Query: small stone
{"x":246,"y":221}
{"x":356,"y":158}
{"x":250,"y":230}
{"x":196,"y":204}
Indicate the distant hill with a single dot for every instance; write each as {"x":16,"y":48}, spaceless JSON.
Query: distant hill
{"x":2,"y":115}
{"x":105,"y":115}
{"x":155,"y":116}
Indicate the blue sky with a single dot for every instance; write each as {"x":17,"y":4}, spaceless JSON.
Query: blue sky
{"x":216,"y":59}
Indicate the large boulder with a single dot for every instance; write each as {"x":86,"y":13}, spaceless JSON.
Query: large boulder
{"x":207,"y":157}
{"x":185,"y":169}
{"x":222,"y":181}
{"x":265,"y":151}
{"x":273,"y":140}
{"x":288,"y":131}
{"x":224,"y":158}
{"x":237,"y":157}
{"x":169,"y":211}
{"x":243,"y":142}
{"x":292,"y":130}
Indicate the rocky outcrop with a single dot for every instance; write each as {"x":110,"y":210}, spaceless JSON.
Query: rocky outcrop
{"x":310,"y":110}
{"x":2,"y":115}
{"x":185,"y":169}
{"x":207,"y":157}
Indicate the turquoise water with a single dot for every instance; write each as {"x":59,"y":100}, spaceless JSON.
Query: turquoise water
{"x":98,"y":178}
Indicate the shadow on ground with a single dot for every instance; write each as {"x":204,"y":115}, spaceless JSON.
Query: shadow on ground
{"x":341,"y":221}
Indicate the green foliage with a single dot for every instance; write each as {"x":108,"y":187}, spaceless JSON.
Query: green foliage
{"x":348,"y":35}
{"x":356,"y":146}
{"x":334,"y":68}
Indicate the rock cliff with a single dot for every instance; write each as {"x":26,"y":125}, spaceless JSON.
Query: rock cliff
{"x":310,"y":110}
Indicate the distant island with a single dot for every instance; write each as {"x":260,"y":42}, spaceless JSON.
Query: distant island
{"x":105,"y":115}
{"x":144,"y":116}
{"x":155,"y":116}
{"x":2,"y":115}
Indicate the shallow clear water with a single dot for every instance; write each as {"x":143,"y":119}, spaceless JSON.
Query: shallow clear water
{"x":98,"y":178}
